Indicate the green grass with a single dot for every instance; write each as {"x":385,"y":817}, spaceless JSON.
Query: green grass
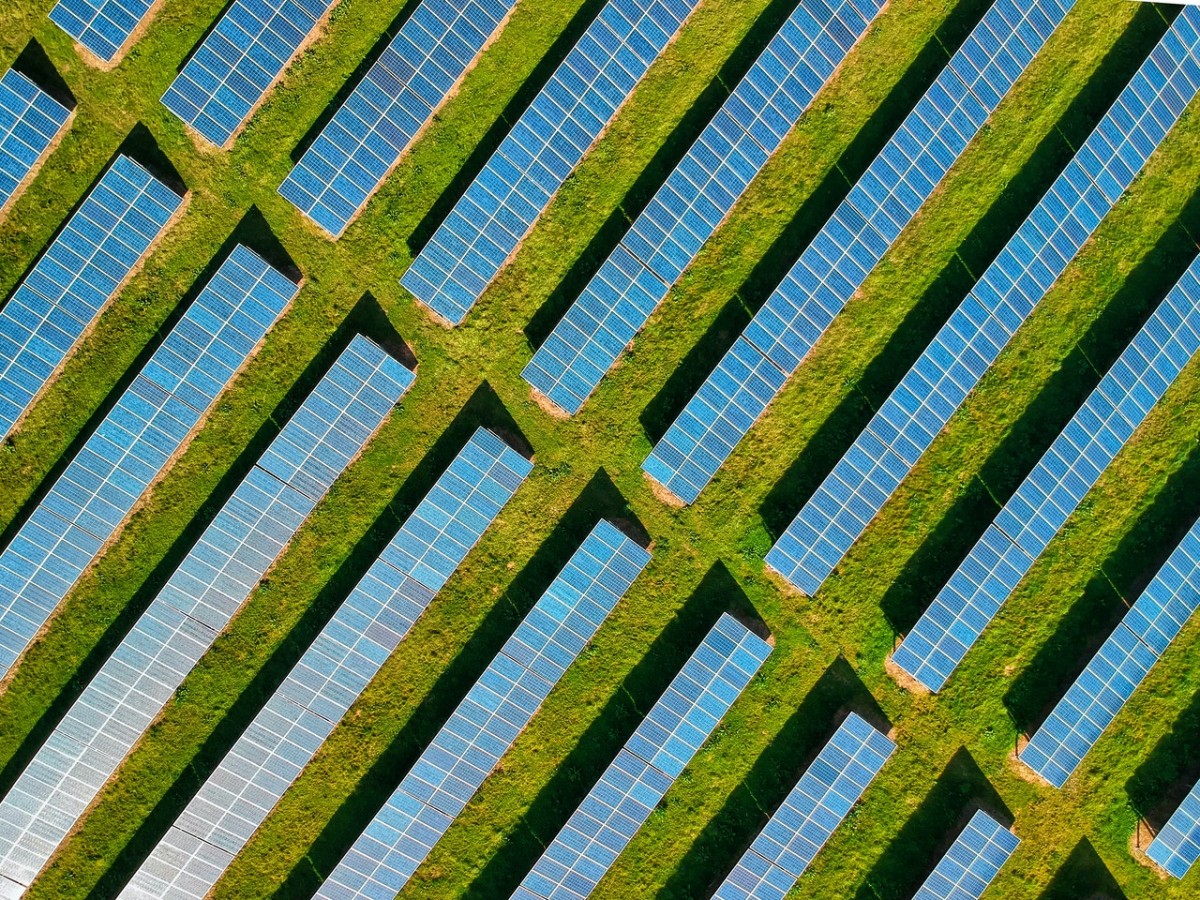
{"x":829,"y":650}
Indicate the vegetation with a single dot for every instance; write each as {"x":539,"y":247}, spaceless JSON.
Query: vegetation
{"x":955,"y":749}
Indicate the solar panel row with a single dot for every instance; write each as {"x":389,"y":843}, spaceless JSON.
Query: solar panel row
{"x":238,"y":62}
{"x":319,"y":691}
{"x":134,"y":443}
{"x":548,"y":141}
{"x":1177,"y":846}
{"x":396,"y":99}
{"x":81,"y":271}
{"x":30,"y":122}
{"x":207,"y":589}
{"x":646,"y":767}
{"x":1011,"y":288}
{"x":487,"y":722}
{"x":973,"y":860}
{"x":851,"y":243}
{"x":696,"y":198}
{"x":810,"y":814}
{"x":103,"y":27}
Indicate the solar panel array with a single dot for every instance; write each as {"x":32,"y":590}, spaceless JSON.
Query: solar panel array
{"x":1177,"y":846}
{"x":967,"y":345}
{"x":197,"y":602}
{"x":152,"y":419}
{"x":104,"y":27}
{"x":270,"y":754}
{"x":396,"y":99}
{"x":75,"y":278}
{"x":30,"y":121}
{"x":851,"y":243}
{"x":238,"y":62}
{"x":810,"y":814}
{"x":548,"y":141}
{"x":973,"y":860}
{"x":695,"y":198}
{"x":1114,"y":673}
{"x":485,"y":725}
{"x":654,"y":756}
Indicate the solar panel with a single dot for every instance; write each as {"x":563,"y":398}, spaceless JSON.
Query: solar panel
{"x":486,"y":724}
{"x":696,"y":198}
{"x":241,"y":792}
{"x":396,"y":99}
{"x":646,"y":767}
{"x":103,"y":27}
{"x":973,"y":860}
{"x":79,"y":273}
{"x":499,"y":208}
{"x":30,"y":122}
{"x":851,"y":243}
{"x":239,"y":61}
{"x":1177,"y":846}
{"x":131,"y":447}
{"x":810,"y":814}
{"x":207,"y":589}
{"x":1048,"y":496}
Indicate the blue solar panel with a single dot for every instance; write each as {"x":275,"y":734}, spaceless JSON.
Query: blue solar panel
{"x":81,"y":271}
{"x":646,"y":767}
{"x":240,"y":60}
{"x":973,"y":860}
{"x":129,"y":449}
{"x":319,"y":691}
{"x":852,"y":242}
{"x":103,"y":27}
{"x":1048,"y":496}
{"x":696,"y":198}
{"x":950,"y":367}
{"x":207,"y":589}
{"x":1177,"y":846}
{"x":548,"y":141}
{"x":485,"y":725}
{"x":810,"y":814}
{"x":30,"y":122}
{"x":398,"y":97}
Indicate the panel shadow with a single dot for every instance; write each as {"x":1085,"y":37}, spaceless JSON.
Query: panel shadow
{"x":1084,"y":876}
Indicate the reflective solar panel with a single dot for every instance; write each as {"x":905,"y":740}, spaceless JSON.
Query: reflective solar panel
{"x":206,"y":590}
{"x":103,"y":27}
{"x":696,"y":198}
{"x":319,"y":691}
{"x":398,"y":97}
{"x":75,"y":278}
{"x":810,"y":814}
{"x":646,"y":767}
{"x":239,"y":61}
{"x":1048,"y":496}
{"x":1177,"y":846}
{"x":147,"y":426}
{"x":851,"y":243}
{"x":485,"y":725}
{"x":30,"y":122}
{"x":499,"y":208}
{"x":973,"y":860}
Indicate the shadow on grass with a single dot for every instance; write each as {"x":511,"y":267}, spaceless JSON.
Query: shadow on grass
{"x":698,"y":364}
{"x":1169,"y":771}
{"x":676,"y":146}
{"x":367,"y":317}
{"x":717,"y":592}
{"x":33,"y":63}
{"x":212,"y":26}
{"x":500,"y":128}
{"x":955,"y":282}
{"x":714,"y":852}
{"x":598,"y":499}
{"x":960,"y":790}
{"x":354,"y":79}
{"x":1083,"y":877}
